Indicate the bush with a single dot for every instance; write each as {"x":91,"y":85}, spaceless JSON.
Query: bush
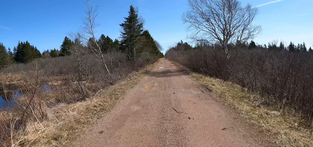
{"x":48,"y":82}
{"x":285,"y":78}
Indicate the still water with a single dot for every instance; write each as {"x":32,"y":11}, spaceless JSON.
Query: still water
{"x":11,"y":102}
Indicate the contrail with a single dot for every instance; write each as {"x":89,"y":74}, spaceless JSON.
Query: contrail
{"x":276,"y":1}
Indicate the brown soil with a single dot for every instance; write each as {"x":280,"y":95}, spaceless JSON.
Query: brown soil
{"x":167,"y":108}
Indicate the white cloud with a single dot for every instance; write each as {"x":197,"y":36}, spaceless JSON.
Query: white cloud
{"x":268,"y":3}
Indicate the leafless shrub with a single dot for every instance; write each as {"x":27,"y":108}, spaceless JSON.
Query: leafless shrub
{"x":69,"y":79}
{"x":283,"y":78}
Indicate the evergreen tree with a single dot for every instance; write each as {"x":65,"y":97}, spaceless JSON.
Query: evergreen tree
{"x":116,"y":44}
{"x":132,"y":29}
{"x":11,"y":56}
{"x":291,"y":47}
{"x":272,"y":47}
{"x":183,"y":46}
{"x":147,"y":44}
{"x":26,"y":53}
{"x":54,"y":53}
{"x":66,"y":47}
{"x":303,"y":48}
{"x":106,"y":44}
{"x":4,"y":57}
{"x":252,"y":45}
{"x":310,"y":50}
{"x":281,"y":46}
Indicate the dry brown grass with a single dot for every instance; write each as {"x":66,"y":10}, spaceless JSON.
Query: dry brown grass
{"x":284,"y":128}
{"x":66,"y":122}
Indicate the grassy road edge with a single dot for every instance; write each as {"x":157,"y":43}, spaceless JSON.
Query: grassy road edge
{"x":69,"y":121}
{"x":284,"y":128}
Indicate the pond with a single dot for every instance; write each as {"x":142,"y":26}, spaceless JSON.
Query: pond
{"x":11,"y":102}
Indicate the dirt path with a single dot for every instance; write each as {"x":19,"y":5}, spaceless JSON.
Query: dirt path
{"x":167,"y":108}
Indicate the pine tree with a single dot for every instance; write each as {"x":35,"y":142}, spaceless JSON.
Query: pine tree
{"x":106,"y":43}
{"x":291,"y":47}
{"x":252,"y":45}
{"x":281,"y":46}
{"x":303,"y":48}
{"x":54,"y":53}
{"x":147,"y":44}
{"x":11,"y":56}
{"x":310,"y":50}
{"x":66,"y":47}
{"x":132,"y":29}
{"x":4,"y":57}
{"x":26,"y":53}
{"x":116,"y":44}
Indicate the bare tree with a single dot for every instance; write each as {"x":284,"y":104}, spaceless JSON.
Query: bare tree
{"x":89,"y":28}
{"x":224,"y":21}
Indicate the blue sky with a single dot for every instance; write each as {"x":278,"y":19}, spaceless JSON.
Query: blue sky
{"x":45,"y":23}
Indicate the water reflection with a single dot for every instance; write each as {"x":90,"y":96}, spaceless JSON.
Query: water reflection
{"x":10,"y":102}
{"x":15,"y":96}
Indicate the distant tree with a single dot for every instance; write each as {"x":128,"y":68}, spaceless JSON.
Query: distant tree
{"x":106,"y":43}
{"x":54,"y":53}
{"x":252,"y":45}
{"x":183,"y":46}
{"x":146,"y":43}
{"x":132,"y":29}
{"x":4,"y":57}
{"x":281,"y":46}
{"x":11,"y":56}
{"x":303,"y":48}
{"x":225,"y":21}
{"x":291,"y":47}
{"x":46,"y":54}
{"x":26,"y":53}
{"x":116,"y":44}
{"x":310,"y":50}
{"x":66,"y":47}
{"x":272,"y":46}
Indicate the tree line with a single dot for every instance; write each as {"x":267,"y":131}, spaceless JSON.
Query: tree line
{"x":134,"y":41}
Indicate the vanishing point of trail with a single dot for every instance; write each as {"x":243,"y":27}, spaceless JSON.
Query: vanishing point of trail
{"x":167,"y":108}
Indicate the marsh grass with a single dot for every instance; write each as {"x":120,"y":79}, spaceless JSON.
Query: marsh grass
{"x":67,"y":122}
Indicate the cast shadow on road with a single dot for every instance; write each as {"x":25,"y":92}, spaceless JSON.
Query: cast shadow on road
{"x":168,"y":73}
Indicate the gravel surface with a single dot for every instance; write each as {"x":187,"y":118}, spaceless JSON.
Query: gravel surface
{"x":167,"y":108}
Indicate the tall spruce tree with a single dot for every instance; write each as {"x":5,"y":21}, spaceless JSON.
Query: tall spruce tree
{"x":147,"y":44}
{"x":291,"y":47}
{"x":66,"y":47}
{"x":26,"y":53}
{"x":4,"y":57}
{"x":132,"y":29}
